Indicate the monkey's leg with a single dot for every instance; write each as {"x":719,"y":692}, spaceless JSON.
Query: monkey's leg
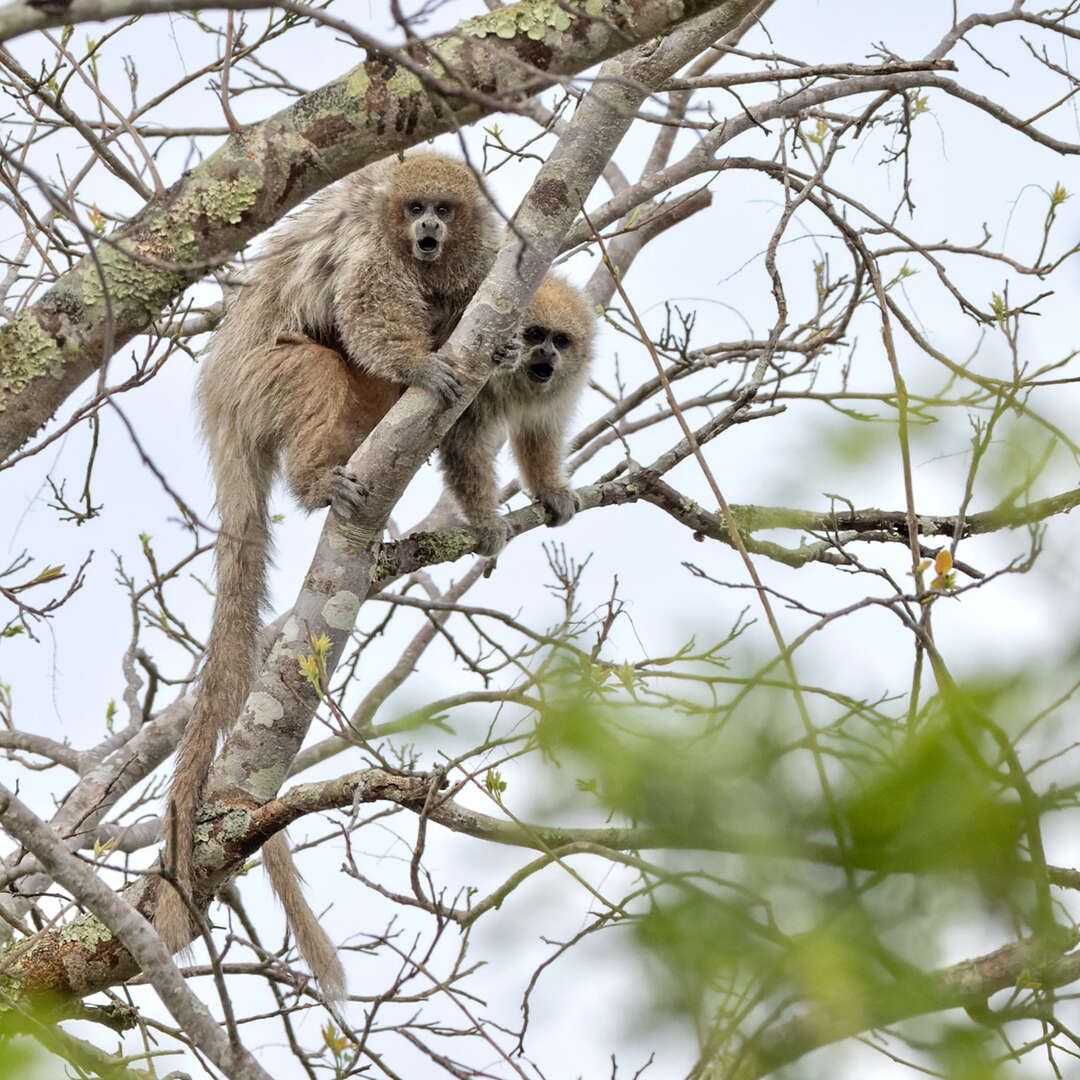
{"x":468,"y":463}
{"x":331,"y":407}
{"x":539,"y":448}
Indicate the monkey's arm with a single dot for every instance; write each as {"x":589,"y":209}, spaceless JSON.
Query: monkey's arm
{"x":383,"y":322}
{"x":539,"y":449}
{"x":468,"y":463}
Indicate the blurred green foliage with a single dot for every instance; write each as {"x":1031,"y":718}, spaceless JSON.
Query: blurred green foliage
{"x":771,"y":896}
{"x":20,"y":1059}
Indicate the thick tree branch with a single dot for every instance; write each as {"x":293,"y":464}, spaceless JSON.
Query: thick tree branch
{"x":428,"y":549}
{"x":134,"y":932}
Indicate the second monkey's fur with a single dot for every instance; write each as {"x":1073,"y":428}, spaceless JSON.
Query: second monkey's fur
{"x":532,"y":403}
{"x":376,"y":267}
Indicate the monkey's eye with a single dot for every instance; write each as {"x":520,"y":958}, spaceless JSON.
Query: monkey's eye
{"x":534,"y":335}
{"x":560,"y":341}
{"x":444,"y":211}
{"x":415,"y":209}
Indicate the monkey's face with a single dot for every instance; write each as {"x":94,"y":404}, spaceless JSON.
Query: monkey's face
{"x":427,"y":226}
{"x":544,"y":352}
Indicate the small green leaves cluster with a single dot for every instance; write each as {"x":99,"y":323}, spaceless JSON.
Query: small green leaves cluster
{"x":495,"y":784}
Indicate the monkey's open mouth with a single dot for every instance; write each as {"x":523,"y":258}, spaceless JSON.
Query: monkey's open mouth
{"x":428,"y":245}
{"x":541,"y":372}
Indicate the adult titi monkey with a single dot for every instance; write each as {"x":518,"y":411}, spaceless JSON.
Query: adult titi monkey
{"x":374,"y":266}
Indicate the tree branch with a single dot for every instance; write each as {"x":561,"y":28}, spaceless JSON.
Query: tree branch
{"x":134,"y":932}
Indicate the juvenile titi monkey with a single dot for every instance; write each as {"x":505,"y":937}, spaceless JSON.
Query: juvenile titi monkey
{"x":533,"y":403}
{"x":354,"y":286}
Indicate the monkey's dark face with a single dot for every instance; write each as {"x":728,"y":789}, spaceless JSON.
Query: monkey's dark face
{"x":544,"y":349}
{"x":427,"y":226}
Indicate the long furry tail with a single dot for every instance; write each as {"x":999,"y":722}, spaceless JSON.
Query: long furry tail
{"x":242,"y":551}
{"x":316,"y":948}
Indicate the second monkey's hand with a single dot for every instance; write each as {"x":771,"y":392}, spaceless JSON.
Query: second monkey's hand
{"x":507,"y":357}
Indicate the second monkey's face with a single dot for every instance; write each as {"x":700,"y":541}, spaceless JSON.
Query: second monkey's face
{"x":545,"y":352}
{"x":428,"y":223}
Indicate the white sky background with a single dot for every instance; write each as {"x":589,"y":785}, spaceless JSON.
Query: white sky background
{"x":967,"y":170}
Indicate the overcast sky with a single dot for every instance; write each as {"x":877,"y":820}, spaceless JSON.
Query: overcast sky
{"x":967,"y":172}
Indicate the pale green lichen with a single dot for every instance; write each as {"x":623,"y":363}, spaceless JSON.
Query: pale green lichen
{"x":175,"y":231}
{"x":87,"y":930}
{"x":130,"y":282}
{"x":235,"y":825}
{"x":226,"y":200}
{"x":385,"y":564}
{"x":531,"y":19}
{"x":431,"y":548}
{"x":450,"y":54}
{"x":403,"y":83}
{"x":340,"y":610}
{"x":26,"y":352}
{"x":443,"y":546}
{"x":357,"y":82}
{"x":266,"y":710}
{"x":209,"y":840}
{"x":213,"y":855}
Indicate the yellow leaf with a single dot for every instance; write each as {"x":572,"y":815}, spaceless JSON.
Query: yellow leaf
{"x":336,"y":1044}
{"x":943,"y":562}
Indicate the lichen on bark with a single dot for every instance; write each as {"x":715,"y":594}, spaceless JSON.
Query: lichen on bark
{"x":26,"y":351}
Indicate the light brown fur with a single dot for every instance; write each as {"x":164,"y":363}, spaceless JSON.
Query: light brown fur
{"x":338,"y":315}
{"x":534,"y":414}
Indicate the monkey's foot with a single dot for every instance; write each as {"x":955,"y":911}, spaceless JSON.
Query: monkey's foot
{"x":491,"y":536}
{"x":438,"y":378}
{"x":560,"y":505}
{"x":507,"y":357}
{"x":348,"y":497}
